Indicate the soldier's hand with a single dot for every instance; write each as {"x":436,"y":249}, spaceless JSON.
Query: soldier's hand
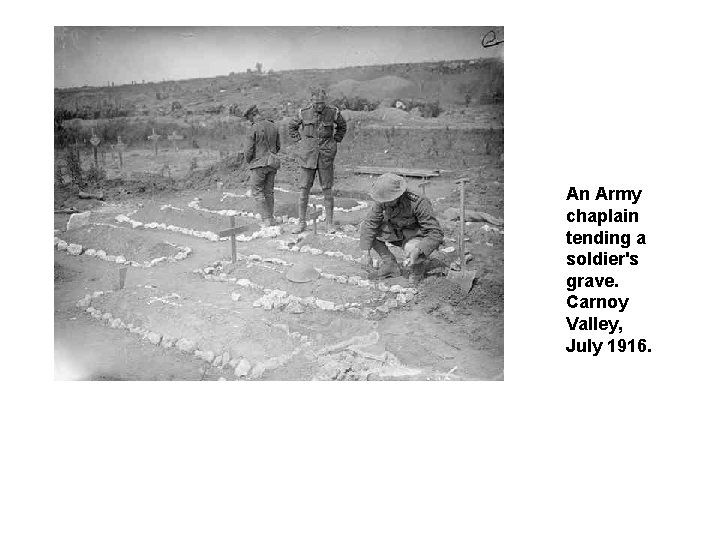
{"x":414,"y":256}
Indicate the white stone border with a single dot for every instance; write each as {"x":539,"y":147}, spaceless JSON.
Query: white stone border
{"x":195,"y":205}
{"x":289,"y":245}
{"x":362,"y":205}
{"x":78,"y":249}
{"x":265,"y":232}
{"x":242,"y":367}
{"x":278,"y":298}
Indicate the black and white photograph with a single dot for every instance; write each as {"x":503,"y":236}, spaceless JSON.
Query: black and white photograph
{"x":297,"y":193}
{"x":266,"y":203}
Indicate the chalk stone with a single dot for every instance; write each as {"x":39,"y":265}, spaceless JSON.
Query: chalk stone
{"x":242,"y":368}
{"x":207,"y":356}
{"x":185,"y":345}
{"x":78,"y":220}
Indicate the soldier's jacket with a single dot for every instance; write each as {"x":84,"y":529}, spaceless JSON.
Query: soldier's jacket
{"x":318,"y":134}
{"x":262,"y":139}
{"x":410,"y":216}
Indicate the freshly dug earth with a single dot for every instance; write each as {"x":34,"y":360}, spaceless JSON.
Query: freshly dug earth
{"x":190,"y":218}
{"x":63,"y":273}
{"x":480,"y":312}
{"x":132,"y":245}
{"x":210,"y":328}
{"x":460,"y":338}
{"x":274,"y":278}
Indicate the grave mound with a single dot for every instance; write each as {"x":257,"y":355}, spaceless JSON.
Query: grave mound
{"x":119,"y":241}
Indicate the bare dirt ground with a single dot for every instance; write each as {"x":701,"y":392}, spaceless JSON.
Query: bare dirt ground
{"x":192,"y":315}
{"x":437,"y":334}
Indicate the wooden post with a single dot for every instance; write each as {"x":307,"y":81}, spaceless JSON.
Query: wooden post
{"x":231,"y":232}
{"x":95,"y":141}
{"x":175,"y":138}
{"x":461,"y":240}
{"x":154,"y":138}
{"x":120,"y":146}
{"x":314,"y":215}
{"x":122,"y":273}
{"x":233,"y":246}
{"x":422,"y":185}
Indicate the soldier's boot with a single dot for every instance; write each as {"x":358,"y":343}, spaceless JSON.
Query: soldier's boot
{"x":269,"y":221}
{"x":261,"y":208}
{"x":389,"y":267}
{"x":329,"y":215}
{"x":302,"y":212}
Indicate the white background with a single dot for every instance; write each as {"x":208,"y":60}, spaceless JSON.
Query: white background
{"x":617,"y":94}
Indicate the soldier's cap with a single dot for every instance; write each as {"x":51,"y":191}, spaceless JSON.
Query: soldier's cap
{"x":319,"y":96}
{"x":250,"y":111}
{"x":302,"y":273}
{"x":388,"y":187}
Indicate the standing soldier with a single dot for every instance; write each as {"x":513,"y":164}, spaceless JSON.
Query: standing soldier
{"x":403,"y":219}
{"x":261,"y":146}
{"x":319,"y":128}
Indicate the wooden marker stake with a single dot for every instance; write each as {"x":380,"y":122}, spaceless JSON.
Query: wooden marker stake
{"x":122,"y":274}
{"x":119,"y":147}
{"x":175,"y":138}
{"x":95,"y":141}
{"x":154,"y":138}
{"x":231,"y":232}
{"x":314,"y":215}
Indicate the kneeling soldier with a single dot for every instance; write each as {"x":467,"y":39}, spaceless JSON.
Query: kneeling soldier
{"x":403,"y":219}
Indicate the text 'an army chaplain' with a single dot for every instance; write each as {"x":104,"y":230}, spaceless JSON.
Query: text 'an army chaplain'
{"x":319,"y":128}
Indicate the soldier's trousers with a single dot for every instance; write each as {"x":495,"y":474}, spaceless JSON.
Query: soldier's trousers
{"x":307,"y":178}
{"x":262,"y":189}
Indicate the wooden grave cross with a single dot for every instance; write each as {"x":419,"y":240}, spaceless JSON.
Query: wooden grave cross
{"x":120,"y":146}
{"x":461,"y":231}
{"x":95,"y":141}
{"x":231,"y":232}
{"x":422,"y":186}
{"x":154,"y":138}
{"x":174,"y":137}
{"x":314,"y":215}
{"x":122,"y":274}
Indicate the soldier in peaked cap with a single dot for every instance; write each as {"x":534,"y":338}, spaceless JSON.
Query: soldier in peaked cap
{"x":261,"y":146}
{"x":403,"y":219}
{"x":319,"y":128}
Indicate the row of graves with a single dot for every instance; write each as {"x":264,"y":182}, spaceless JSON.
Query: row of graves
{"x":118,"y":148}
{"x":203,"y":276}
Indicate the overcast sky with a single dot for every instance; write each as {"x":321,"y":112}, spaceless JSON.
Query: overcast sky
{"x":95,"y":55}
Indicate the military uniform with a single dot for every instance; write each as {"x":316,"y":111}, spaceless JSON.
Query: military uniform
{"x":319,"y":134}
{"x":407,"y":222}
{"x":262,"y":140}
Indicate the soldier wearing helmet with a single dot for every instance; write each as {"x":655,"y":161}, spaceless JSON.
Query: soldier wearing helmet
{"x":401,"y":218}
{"x":319,"y":128}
